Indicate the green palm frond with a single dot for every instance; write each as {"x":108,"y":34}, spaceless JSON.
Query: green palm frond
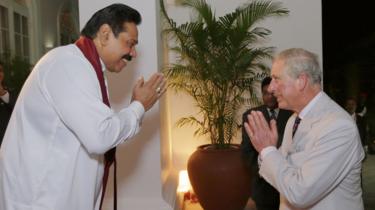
{"x":216,"y":58}
{"x":202,"y":9}
{"x":259,"y":10}
{"x":189,"y":121}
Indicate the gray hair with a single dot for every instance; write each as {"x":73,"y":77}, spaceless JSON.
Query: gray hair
{"x":298,"y":61}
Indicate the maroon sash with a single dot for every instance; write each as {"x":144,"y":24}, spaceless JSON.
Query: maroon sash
{"x":86,"y":45}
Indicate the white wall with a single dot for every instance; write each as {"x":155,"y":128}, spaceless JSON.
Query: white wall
{"x":149,"y":163}
{"x":36,"y":38}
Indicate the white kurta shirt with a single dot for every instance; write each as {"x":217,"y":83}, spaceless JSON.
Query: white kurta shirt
{"x":52,"y":153}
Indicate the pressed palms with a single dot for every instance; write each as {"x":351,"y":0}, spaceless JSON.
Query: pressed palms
{"x":216,"y":59}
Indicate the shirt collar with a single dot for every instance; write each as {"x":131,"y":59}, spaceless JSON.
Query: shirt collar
{"x":310,"y":105}
{"x":276,"y":111}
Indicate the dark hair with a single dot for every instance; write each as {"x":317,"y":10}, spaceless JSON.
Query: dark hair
{"x":266,"y":81}
{"x":114,"y":15}
{"x":351,"y":98}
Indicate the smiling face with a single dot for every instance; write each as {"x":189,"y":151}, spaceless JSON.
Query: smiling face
{"x":112,"y":50}
{"x":284,"y":87}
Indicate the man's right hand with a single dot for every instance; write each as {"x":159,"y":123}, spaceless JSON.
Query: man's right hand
{"x":150,"y":91}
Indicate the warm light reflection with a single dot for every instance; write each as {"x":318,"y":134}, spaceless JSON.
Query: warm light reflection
{"x":183,"y":182}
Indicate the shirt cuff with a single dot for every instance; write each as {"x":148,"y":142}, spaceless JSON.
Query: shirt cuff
{"x":264,"y":153}
{"x":138,"y":109}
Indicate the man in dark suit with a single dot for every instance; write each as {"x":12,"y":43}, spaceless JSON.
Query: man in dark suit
{"x":265,"y":196}
{"x":7,"y":101}
{"x":351,"y":108}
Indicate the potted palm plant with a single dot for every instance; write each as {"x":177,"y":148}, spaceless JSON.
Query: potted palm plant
{"x":217,"y":57}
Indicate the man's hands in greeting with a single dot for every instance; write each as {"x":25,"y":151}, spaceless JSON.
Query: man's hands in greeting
{"x":260,"y":132}
{"x":148,"y":92}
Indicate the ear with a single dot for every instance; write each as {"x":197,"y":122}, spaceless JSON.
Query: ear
{"x":302,"y":81}
{"x":104,"y":33}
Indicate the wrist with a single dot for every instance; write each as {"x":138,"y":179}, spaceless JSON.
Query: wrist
{"x":265,"y":151}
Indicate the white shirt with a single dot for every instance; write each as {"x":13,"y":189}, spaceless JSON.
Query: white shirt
{"x":52,"y":153}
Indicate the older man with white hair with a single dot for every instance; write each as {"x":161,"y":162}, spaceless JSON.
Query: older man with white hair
{"x":318,"y":165}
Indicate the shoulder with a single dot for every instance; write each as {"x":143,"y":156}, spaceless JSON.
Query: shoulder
{"x":327,"y":109}
{"x":261,"y":108}
{"x":332,"y":118}
{"x":68,"y":55}
{"x":64,"y":60}
{"x":285,"y":112}
{"x":65,"y":65}
{"x":244,"y":115}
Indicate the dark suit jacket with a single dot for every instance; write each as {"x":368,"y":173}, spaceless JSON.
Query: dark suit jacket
{"x":262,"y":192}
{"x":5,"y":112}
{"x":361,"y":124}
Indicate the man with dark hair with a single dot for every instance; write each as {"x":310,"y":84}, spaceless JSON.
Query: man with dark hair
{"x":264,"y":195}
{"x":7,"y":100}
{"x":114,"y":16}
{"x":53,"y":151}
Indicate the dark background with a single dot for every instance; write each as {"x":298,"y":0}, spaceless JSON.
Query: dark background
{"x":349,"y":49}
{"x":349,"y":53}
{"x":349,"y":67}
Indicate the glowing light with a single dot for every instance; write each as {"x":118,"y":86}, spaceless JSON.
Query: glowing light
{"x":183,"y":182}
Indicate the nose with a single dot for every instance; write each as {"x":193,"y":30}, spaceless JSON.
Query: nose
{"x":133,"y":52}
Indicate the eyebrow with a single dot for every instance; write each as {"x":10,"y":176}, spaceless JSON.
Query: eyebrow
{"x":134,"y":41}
